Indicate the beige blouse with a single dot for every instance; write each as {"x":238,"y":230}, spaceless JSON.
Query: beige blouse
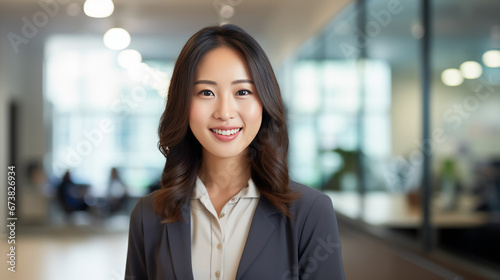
{"x":217,"y":242}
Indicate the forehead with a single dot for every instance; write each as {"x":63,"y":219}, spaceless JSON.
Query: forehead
{"x":222,"y":61}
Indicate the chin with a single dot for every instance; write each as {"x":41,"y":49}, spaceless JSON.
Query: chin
{"x":225,"y":152}
{"x":228,"y":154}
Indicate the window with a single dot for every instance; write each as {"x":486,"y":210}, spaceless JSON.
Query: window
{"x":102,"y":115}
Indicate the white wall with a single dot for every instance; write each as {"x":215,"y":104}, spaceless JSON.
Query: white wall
{"x":30,"y":99}
{"x":21,"y":80}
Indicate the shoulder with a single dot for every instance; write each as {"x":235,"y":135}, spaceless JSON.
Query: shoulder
{"x":307,"y":192}
{"x":309,"y":198}
{"x":313,"y":208}
{"x":143,"y":211}
{"x":145,"y":203}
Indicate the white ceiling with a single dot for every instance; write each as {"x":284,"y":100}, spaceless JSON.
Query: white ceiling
{"x":159,"y":28}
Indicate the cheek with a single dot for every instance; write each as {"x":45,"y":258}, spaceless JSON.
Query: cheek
{"x":253,"y":114}
{"x":197,"y":115}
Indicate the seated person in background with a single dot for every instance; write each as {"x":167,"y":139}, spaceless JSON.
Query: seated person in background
{"x":71,"y":196}
{"x":117,"y":192}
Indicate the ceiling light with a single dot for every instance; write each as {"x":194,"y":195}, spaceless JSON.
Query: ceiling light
{"x":129,"y":58}
{"x":492,"y":58}
{"x":452,"y":77}
{"x":116,"y":39}
{"x":226,"y":11}
{"x":471,"y":70}
{"x":98,"y":8}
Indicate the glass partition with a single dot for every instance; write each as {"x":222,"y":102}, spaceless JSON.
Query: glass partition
{"x":465,"y":117}
{"x":354,"y":99}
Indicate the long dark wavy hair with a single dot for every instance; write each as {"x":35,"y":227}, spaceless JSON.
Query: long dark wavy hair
{"x":267,"y":153}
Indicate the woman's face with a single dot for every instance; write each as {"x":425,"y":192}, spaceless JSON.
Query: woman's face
{"x":226,"y":112}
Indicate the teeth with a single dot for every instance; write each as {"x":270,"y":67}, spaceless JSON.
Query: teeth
{"x":225,"y":132}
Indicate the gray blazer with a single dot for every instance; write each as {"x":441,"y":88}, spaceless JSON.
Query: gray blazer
{"x":304,"y":247}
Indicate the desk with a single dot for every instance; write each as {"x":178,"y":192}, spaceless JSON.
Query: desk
{"x":393,"y":210}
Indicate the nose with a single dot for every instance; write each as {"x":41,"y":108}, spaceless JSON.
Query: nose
{"x":225,"y":108}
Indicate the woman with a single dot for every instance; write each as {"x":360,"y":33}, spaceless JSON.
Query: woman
{"x":227,"y":209}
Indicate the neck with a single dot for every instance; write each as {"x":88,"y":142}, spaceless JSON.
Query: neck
{"x":224,"y":174}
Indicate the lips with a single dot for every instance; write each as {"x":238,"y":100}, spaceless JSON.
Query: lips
{"x":226,"y":134}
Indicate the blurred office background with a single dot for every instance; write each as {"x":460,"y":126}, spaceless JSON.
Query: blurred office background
{"x":80,"y":102}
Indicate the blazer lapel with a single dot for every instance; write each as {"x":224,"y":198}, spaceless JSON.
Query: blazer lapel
{"x":260,"y":231}
{"x":179,"y":239}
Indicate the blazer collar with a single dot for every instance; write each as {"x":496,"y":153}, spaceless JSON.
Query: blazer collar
{"x":260,"y":231}
{"x":179,"y":239}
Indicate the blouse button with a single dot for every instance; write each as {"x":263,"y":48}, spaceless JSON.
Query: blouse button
{"x":219,"y":246}
{"x":217,"y":274}
{"x":222,"y":215}
{"x":234,"y":199}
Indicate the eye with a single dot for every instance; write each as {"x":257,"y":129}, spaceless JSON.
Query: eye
{"x":243,"y":92}
{"x":206,"y":93}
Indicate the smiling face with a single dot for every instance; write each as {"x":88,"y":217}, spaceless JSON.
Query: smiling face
{"x":226,"y":112}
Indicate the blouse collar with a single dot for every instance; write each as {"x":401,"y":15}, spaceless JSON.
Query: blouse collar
{"x":249,"y":191}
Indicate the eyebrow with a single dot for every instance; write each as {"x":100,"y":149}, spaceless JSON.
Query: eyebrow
{"x":242,"y":81}
{"x":232,"y":83}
